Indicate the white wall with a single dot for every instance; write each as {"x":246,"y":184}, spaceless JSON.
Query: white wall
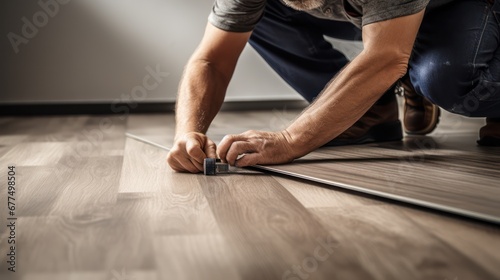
{"x":97,"y":51}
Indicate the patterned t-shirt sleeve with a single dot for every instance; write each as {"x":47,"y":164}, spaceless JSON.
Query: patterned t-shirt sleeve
{"x":380,"y":10}
{"x":236,"y":15}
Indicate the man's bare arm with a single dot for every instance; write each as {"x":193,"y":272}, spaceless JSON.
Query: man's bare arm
{"x":206,"y":77}
{"x":387,"y":48}
{"x":201,"y":93}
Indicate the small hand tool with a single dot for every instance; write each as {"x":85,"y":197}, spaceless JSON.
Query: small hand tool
{"x":212,"y":166}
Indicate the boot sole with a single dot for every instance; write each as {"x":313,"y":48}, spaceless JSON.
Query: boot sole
{"x":386,"y":132}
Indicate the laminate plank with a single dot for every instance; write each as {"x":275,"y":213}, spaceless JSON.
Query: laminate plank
{"x":35,"y":154}
{"x":25,"y":125}
{"x":478,"y":241}
{"x":316,"y":195}
{"x":390,"y":246}
{"x":178,"y":205}
{"x":39,"y":187}
{"x":140,"y":158}
{"x":151,"y":124}
{"x":88,"y":227}
{"x":187,"y":234}
{"x":119,"y":207}
{"x":444,"y":171}
{"x":101,"y":136}
{"x":254,"y":253}
{"x":89,"y":136}
{"x":193,"y":257}
{"x":443,"y":179}
{"x":272,"y":232}
{"x":181,"y":208}
{"x":8,"y":140}
{"x":472,"y":239}
{"x":101,"y":241}
{"x":58,"y":129}
{"x":94,"y":185}
{"x":4,"y":150}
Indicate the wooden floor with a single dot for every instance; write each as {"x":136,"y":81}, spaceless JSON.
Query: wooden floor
{"x":445,"y":171}
{"x":94,"y":204}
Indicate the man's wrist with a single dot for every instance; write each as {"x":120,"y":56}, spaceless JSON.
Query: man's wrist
{"x":297,"y":146}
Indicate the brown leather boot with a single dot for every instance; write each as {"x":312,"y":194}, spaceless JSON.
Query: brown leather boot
{"x":379,"y":124}
{"x":489,"y":135}
{"x":420,"y":116}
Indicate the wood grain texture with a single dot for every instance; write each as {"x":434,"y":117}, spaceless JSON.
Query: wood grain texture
{"x":35,"y":154}
{"x":119,"y":212}
{"x":425,"y":257}
{"x":462,"y":181}
{"x":463,"y":237}
{"x":263,"y":222}
{"x":445,"y":171}
{"x":61,"y":205}
{"x":193,"y":257}
{"x":12,"y":139}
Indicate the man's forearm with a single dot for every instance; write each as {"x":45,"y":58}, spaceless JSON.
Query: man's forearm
{"x":201,"y":93}
{"x":344,"y":101}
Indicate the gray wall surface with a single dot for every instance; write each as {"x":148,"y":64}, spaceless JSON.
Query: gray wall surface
{"x":98,"y":51}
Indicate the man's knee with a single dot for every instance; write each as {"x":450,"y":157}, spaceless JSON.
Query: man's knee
{"x":452,"y":90}
{"x":439,"y":82}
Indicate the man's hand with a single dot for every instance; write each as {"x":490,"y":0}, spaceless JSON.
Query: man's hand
{"x":189,"y":151}
{"x":256,"y":147}
{"x":201,"y":93}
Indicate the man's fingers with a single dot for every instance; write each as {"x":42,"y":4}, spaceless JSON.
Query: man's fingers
{"x":238,"y":148}
{"x":194,"y":150}
{"x":180,"y":161}
{"x":248,"y":160}
{"x":226,"y":143}
{"x":190,"y":166}
{"x":210,"y":149}
{"x":182,"y":165}
{"x":189,"y":152}
{"x":224,"y":146}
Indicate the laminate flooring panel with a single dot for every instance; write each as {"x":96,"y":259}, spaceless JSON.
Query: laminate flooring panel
{"x":6,"y":140}
{"x":473,"y":240}
{"x":27,"y":125}
{"x":134,"y":218}
{"x":425,"y":257}
{"x":445,"y":171}
{"x":67,"y":221}
{"x":463,"y":181}
{"x":263,"y":226}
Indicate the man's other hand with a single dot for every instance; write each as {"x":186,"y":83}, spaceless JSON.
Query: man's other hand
{"x":256,"y":147}
{"x":189,"y":152}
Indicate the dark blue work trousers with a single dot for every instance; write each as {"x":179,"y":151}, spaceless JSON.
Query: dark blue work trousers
{"x":455,"y":61}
